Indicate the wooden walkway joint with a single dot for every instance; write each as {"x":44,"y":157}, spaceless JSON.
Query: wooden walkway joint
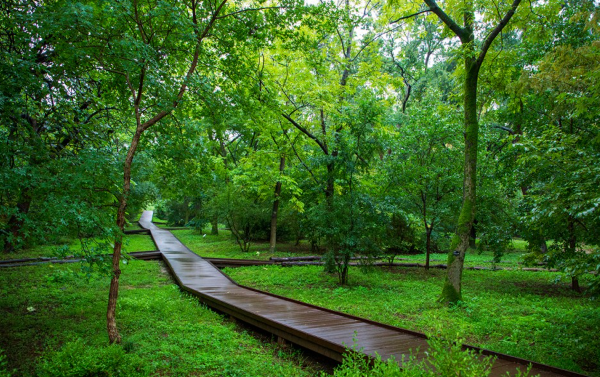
{"x":324,"y":331}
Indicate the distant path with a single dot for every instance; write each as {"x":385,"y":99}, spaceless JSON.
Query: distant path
{"x":321,"y":330}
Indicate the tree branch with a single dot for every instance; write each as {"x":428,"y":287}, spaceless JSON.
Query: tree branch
{"x":248,"y":10}
{"x":307,"y":133}
{"x":192,"y":68}
{"x":452,"y":25}
{"x":411,"y":15}
{"x":490,"y":38}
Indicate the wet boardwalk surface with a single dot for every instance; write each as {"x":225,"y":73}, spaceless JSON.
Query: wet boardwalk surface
{"x":321,"y":330}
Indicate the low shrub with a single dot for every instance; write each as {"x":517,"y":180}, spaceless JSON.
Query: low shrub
{"x":442,"y":359}
{"x":78,"y":359}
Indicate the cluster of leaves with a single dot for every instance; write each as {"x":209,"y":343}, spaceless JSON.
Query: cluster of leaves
{"x":443,"y":358}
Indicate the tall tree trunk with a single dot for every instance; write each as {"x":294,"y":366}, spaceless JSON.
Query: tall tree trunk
{"x":186,"y":213}
{"x":273,"y":239}
{"x":451,"y":291}
{"x":16,"y":221}
{"x":456,"y":255}
{"x":428,"y":230}
{"x":113,"y":293}
{"x":214,"y":225}
{"x":543,"y":246}
{"x":572,"y":249}
{"x":473,"y":235}
{"x":575,"y":284}
{"x":330,"y":185}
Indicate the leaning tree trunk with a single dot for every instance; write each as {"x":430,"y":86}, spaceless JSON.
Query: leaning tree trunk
{"x":113,"y":293}
{"x":273,"y":238}
{"x":456,"y":256}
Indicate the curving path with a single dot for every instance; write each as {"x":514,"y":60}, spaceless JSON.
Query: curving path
{"x":321,"y":330}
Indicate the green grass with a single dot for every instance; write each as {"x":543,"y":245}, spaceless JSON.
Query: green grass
{"x":519,"y":313}
{"x":472,"y":258}
{"x":52,"y":323}
{"x":224,"y":246}
{"x":132,"y":242}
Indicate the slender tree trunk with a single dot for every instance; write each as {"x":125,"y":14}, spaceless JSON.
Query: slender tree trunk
{"x":16,"y":221}
{"x":214,"y":225}
{"x":451,"y":291}
{"x":575,"y":284}
{"x":428,"y":230}
{"x":273,"y":239}
{"x":113,"y":293}
{"x":330,"y":185}
{"x":572,"y":249}
{"x":543,"y":246}
{"x":473,"y":235}
{"x":186,"y":216}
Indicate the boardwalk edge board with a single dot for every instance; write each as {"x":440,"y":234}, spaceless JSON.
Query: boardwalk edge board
{"x":318,"y":343}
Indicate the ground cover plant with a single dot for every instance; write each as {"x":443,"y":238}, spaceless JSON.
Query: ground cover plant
{"x":222,"y":246}
{"x":51,"y":324}
{"x":132,"y":242}
{"x":349,"y":127}
{"x":443,"y":358}
{"x":520,"y":313}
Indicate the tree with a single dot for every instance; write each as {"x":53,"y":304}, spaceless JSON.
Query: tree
{"x":557,"y":159}
{"x":424,"y":168}
{"x":473,"y":57}
{"x":54,"y":124}
{"x":137,"y":43}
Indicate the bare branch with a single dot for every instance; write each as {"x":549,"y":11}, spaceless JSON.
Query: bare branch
{"x":307,"y":133}
{"x":192,"y":68}
{"x":490,"y":38}
{"x":411,"y":15}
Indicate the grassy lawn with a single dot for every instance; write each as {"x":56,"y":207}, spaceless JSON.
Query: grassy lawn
{"x":473,"y":258}
{"x":520,"y":313}
{"x":132,"y":242}
{"x":53,"y":323}
{"x":224,"y":246}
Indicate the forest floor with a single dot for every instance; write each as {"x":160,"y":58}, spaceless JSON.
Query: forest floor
{"x":533,"y":315}
{"x":52,"y":320}
{"x":223,"y":246}
{"x":53,"y":323}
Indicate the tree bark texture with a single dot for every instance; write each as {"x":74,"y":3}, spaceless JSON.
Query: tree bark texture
{"x":451,"y":291}
{"x":273,"y":238}
{"x":428,"y":231}
{"x":214,"y":226}
{"x":111,"y":324}
{"x":572,"y":249}
{"x":113,"y":293}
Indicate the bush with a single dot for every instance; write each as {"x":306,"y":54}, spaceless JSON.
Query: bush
{"x":443,"y":359}
{"x":3,"y":365}
{"x":78,"y":359}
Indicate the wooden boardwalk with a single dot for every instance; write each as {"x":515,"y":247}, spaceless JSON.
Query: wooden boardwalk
{"x":324,"y":331}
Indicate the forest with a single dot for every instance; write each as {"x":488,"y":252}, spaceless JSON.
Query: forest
{"x":460,"y":137}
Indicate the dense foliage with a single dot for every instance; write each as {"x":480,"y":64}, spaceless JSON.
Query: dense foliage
{"x":363,"y":128}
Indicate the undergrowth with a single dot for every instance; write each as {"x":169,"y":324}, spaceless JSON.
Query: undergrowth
{"x":53,"y":323}
{"x":533,"y":315}
{"x":442,"y":359}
